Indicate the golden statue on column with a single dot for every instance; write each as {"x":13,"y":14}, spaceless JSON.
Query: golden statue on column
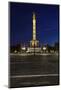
{"x":34,"y":42}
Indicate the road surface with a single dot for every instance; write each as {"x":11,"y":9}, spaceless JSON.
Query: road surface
{"x":38,"y":70}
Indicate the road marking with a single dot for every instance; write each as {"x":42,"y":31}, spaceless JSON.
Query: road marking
{"x":26,"y":54}
{"x":26,"y":76}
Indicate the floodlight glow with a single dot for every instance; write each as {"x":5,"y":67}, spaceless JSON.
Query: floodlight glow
{"x":15,"y":51}
{"x":44,"y":48}
{"x":23,"y":48}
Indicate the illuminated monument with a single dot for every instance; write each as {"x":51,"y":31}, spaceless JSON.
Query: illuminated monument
{"x":34,"y":42}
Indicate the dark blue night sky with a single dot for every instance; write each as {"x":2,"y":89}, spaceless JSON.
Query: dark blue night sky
{"x":47,"y":23}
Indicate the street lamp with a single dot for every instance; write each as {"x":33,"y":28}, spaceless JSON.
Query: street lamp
{"x":23,"y":48}
{"x":44,"y":48}
{"x":34,"y":48}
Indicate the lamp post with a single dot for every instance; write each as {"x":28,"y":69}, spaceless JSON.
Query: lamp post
{"x":34,"y":48}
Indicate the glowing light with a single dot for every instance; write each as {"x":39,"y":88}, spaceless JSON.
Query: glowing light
{"x":44,"y":48}
{"x":15,"y":51}
{"x":23,"y":48}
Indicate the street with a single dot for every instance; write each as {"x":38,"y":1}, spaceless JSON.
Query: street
{"x":38,"y":70}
